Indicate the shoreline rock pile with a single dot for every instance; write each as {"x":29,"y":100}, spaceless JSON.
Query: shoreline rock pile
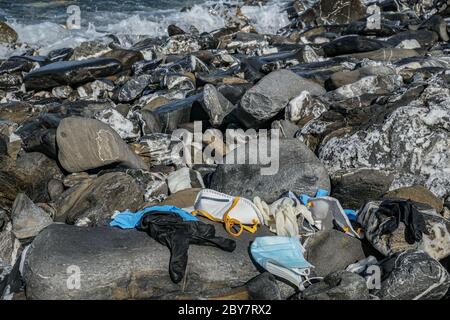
{"x":361,"y":98}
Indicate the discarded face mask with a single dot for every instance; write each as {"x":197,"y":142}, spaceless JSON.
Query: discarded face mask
{"x":130,"y":220}
{"x":283,"y":257}
{"x":232,"y":211}
{"x":320,"y":207}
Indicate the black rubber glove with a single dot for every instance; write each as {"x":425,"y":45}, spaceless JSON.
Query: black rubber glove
{"x":172,"y":231}
{"x":403,"y":211}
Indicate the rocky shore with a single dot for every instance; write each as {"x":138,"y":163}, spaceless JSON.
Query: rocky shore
{"x":359,"y":91}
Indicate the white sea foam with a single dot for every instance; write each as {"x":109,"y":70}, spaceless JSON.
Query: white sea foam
{"x":131,"y":26}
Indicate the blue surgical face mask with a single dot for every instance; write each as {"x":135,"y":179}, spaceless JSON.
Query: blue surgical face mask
{"x":286,"y":252}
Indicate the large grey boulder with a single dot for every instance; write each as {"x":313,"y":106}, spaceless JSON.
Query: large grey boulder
{"x":272,"y":94}
{"x":299,"y":171}
{"x":88,"y":144}
{"x":340,"y":285}
{"x":354,"y":187}
{"x":413,"y":142}
{"x":436,"y":243}
{"x":332,"y":250}
{"x":92,"y":202}
{"x":27,"y":218}
{"x":30,"y":174}
{"x":413,"y":275}
{"x":216,"y":105}
{"x":7,"y":34}
{"x":125,"y":264}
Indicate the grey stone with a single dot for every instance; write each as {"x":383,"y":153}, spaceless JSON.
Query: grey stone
{"x":417,"y":194}
{"x":271,"y":95}
{"x":29,"y":173}
{"x":126,"y":57}
{"x":88,"y":144}
{"x":175,"y":113}
{"x":27,"y":218}
{"x":340,"y":285}
{"x":352,"y":44}
{"x":70,"y":73}
{"x":413,"y":275}
{"x":127,"y":264}
{"x":332,"y":250}
{"x":299,"y":171}
{"x":127,"y":129}
{"x":354,"y":187}
{"x":263,"y":287}
{"x":132,"y":89}
{"x":7,"y":34}
{"x":150,"y":121}
{"x":216,"y":105}
{"x":93,"y":202}
{"x":425,"y":38}
{"x":417,"y":155}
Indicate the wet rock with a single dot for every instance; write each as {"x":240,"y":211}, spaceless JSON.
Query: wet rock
{"x":10,"y":81}
{"x":127,"y":58}
{"x":159,"y":148}
{"x":425,"y":38}
{"x":351,"y":45}
{"x":271,"y":95}
{"x":15,"y":64}
{"x":62,"y":54}
{"x":100,"y":146}
{"x":151,"y":122}
{"x":89,"y":49}
{"x":96,"y":90}
{"x":93,"y":201}
{"x":132,"y":89}
{"x":70,"y":73}
{"x":413,"y":275}
{"x":305,"y":107}
{"x":435,"y":242}
{"x":413,"y":159}
{"x":385,"y":54}
{"x":7,"y":34}
{"x":327,"y":12}
{"x":341,"y":285}
{"x":126,"y":264}
{"x":179,"y":82}
{"x":127,"y":129}
{"x":62,"y":92}
{"x":417,"y":194}
{"x":17,"y":111}
{"x":27,"y":218}
{"x":55,"y":188}
{"x":39,"y":134}
{"x":287,"y":128}
{"x":216,"y":105}
{"x":321,"y":249}
{"x":343,"y":78}
{"x":263,"y":287}
{"x":177,"y":112}
{"x":30,"y":174}
{"x":299,"y":171}
{"x":9,"y":246}
{"x":437,"y":24}
{"x":173,"y":30}
{"x":354,"y":187}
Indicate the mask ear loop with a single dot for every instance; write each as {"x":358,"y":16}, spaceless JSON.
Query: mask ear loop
{"x":229,"y":222}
